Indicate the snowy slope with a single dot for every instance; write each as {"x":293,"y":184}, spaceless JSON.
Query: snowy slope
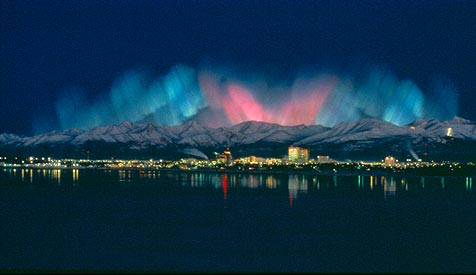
{"x":134,"y":136}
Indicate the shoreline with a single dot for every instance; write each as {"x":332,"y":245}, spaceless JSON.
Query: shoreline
{"x":256,"y":171}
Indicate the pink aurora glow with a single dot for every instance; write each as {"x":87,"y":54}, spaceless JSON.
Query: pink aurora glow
{"x":236,"y":101}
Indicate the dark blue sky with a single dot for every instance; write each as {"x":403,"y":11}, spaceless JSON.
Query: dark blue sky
{"x":49,"y":46}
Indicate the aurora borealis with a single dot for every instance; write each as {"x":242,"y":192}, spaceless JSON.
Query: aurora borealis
{"x":83,"y":64}
{"x":221,"y":97}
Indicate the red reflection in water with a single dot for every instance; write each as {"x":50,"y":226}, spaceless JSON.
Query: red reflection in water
{"x":291,"y":199}
{"x":225,"y":186}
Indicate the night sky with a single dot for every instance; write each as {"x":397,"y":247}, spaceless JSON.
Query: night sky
{"x":87,"y":63}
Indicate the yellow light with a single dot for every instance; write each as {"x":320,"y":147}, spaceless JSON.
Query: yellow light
{"x":449,"y":132}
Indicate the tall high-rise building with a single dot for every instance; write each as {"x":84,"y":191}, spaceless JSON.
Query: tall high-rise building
{"x":293,"y":153}
{"x":298,"y":154}
{"x":225,"y":158}
{"x":304,"y":155}
{"x":228,"y":157}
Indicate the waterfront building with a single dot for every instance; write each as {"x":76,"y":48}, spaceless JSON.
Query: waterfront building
{"x":298,"y":154}
{"x":322,"y":159}
{"x":225,"y":158}
{"x":389,"y":161}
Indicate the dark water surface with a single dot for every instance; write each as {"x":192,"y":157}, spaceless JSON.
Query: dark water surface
{"x":169,"y":221}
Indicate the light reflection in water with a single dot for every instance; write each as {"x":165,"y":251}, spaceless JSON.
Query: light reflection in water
{"x":252,"y":181}
{"x":233,"y":180}
{"x":192,"y":180}
{"x":225,"y":185}
{"x":389,"y":187}
{"x":404,"y":184}
{"x":75,"y":175}
{"x":271,"y":182}
{"x":56,"y":175}
{"x":469,"y":183}
{"x":227,"y":182}
{"x":146,"y":174}
{"x":215,"y":180}
{"x":361,"y":181}
{"x":296,"y":184}
{"x":299,"y":183}
{"x":122,"y":175}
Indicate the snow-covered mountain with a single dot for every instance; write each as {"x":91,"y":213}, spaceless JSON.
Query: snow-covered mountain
{"x":364,"y":139}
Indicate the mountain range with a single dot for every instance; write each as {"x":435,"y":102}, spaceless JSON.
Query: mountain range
{"x":367,"y":139}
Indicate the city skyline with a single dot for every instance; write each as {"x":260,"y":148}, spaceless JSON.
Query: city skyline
{"x":237,"y":136}
{"x":368,"y":139}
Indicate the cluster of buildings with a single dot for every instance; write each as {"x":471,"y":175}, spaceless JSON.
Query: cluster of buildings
{"x":225,"y":158}
{"x":296,"y":156}
{"x":301,"y":155}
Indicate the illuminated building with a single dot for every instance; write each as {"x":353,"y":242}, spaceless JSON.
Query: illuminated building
{"x":323,"y":159}
{"x":389,"y":161}
{"x":226,"y":157}
{"x":298,"y":154}
{"x":293,"y":153}
{"x":303,"y":155}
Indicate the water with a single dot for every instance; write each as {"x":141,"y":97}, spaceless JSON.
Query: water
{"x":168,"y":221}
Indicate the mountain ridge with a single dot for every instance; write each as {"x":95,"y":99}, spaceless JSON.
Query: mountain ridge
{"x":355,"y":139}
